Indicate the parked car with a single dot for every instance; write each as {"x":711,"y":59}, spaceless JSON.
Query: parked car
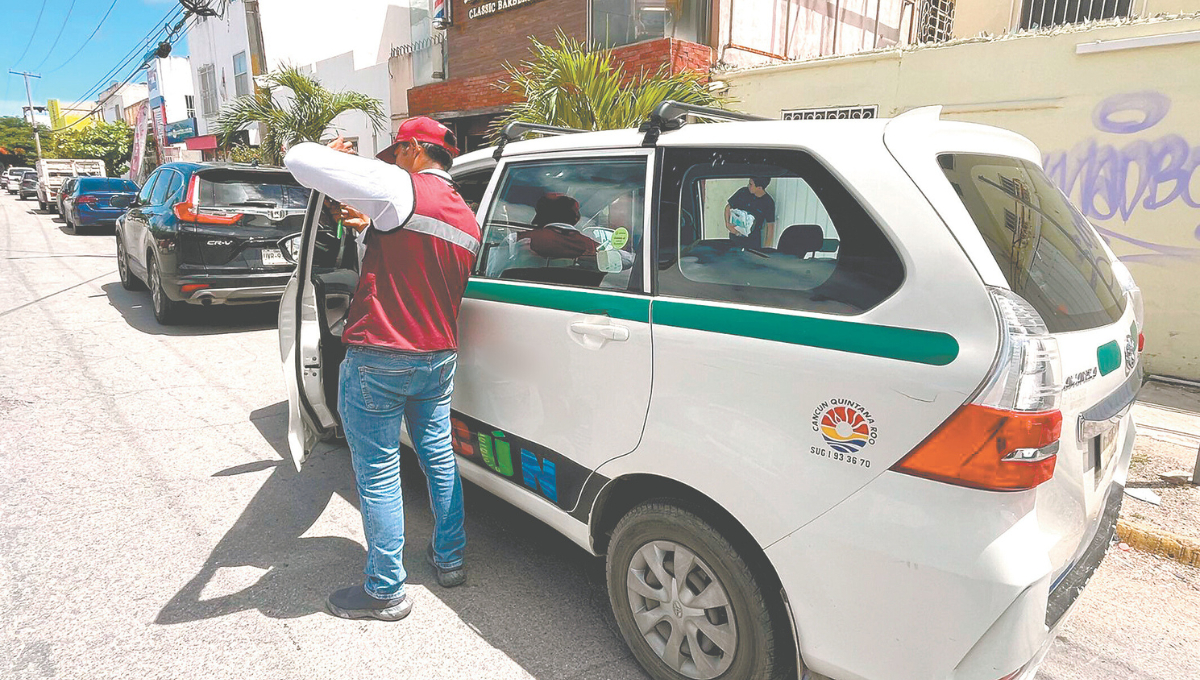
{"x":207,"y":233}
{"x":52,"y":172}
{"x":89,"y":201}
{"x":67,"y":187}
{"x":11,"y":178}
{"x":890,"y":443}
{"x":27,"y":185}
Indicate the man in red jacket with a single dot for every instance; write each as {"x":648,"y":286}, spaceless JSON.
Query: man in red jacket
{"x":421,"y":241}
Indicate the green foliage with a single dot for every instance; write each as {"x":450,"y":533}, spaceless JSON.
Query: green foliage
{"x":241,"y":153}
{"x":110,"y":142}
{"x":578,"y":85}
{"x":303,"y":117}
{"x":16,"y":137}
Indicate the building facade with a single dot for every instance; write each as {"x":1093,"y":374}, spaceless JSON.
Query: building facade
{"x":113,"y":101}
{"x":349,"y":50}
{"x":483,"y":36}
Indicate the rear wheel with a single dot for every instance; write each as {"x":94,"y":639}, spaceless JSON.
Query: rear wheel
{"x":687,"y":604}
{"x":74,"y":228}
{"x":166,"y":310}
{"x":128,"y":280}
{"x":42,"y":205}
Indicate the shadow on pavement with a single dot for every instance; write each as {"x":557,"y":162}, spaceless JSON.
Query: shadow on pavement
{"x":530,"y":592}
{"x":137,"y":310}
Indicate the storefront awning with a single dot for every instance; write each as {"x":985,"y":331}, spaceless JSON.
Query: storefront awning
{"x":205,"y":143}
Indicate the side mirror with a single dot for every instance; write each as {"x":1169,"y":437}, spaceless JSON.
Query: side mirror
{"x":122,"y":201}
{"x":290,"y":247}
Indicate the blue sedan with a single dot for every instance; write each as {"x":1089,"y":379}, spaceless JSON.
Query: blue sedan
{"x":90,"y":202}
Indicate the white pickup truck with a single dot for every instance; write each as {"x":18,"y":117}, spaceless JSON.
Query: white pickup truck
{"x":52,"y":171}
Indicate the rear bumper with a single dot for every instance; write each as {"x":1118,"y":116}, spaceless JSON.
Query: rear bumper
{"x":87,"y":217}
{"x":910,"y":579}
{"x":227,"y":289}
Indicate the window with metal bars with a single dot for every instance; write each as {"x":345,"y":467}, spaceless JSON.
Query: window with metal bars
{"x":936,"y":21}
{"x":1046,"y":13}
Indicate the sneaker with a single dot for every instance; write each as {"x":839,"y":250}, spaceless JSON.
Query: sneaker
{"x":446,"y":578}
{"x":355,"y":603}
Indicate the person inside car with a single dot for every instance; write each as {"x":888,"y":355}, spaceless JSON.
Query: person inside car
{"x":401,"y":333}
{"x":750,"y":215}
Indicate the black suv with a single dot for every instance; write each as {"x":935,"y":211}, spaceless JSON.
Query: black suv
{"x":207,"y":233}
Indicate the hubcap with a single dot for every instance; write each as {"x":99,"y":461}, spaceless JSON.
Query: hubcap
{"x":155,"y":289}
{"x":124,"y":274}
{"x":682,"y":610}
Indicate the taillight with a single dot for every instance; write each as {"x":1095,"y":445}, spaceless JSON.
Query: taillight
{"x":1006,"y":439}
{"x":86,"y":199}
{"x":189,"y":210}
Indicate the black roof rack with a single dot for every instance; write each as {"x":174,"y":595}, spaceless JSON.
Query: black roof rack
{"x":671,"y":115}
{"x":516,"y":129}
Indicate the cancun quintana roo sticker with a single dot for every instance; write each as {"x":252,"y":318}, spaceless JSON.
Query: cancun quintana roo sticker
{"x":847,"y":428}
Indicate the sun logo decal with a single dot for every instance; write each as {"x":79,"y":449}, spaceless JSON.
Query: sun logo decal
{"x":845,"y":426}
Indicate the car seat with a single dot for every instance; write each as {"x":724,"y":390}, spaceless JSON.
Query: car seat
{"x":801,"y":240}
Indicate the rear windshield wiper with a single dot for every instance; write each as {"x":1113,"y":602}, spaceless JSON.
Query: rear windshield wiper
{"x":253,"y":204}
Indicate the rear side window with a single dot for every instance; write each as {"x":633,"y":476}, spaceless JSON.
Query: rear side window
{"x":769,"y":227}
{"x":160,"y":188}
{"x":263,"y":191}
{"x":148,"y":188}
{"x":1049,"y":253}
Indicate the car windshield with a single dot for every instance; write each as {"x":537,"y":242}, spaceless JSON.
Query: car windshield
{"x":106,"y":184}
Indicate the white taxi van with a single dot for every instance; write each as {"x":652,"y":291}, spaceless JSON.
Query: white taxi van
{"x":881,"y":435}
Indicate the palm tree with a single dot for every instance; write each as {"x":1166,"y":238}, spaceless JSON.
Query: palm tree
{"x":579,"y":86}
{"x":303,"y":119}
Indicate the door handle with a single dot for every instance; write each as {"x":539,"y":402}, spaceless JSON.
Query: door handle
{"x":607,"y":331}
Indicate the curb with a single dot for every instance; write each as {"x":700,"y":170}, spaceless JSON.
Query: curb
{"x":1172,"y":546}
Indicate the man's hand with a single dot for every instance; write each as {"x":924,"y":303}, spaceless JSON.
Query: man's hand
{"x":340,"y":144}
{"x":348,"y":216}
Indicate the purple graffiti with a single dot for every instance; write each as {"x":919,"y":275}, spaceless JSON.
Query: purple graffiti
{"x":1108,"y":181}
{"x":1148,"y":108}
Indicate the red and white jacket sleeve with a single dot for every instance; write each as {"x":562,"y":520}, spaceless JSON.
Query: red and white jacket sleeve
{"x":381,"y":191}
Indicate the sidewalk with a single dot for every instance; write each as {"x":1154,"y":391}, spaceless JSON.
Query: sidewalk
{"x":1168,"y":422}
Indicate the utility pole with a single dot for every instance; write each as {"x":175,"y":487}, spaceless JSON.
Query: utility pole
{"x":258,"y":52}
{"x":37,"y":139}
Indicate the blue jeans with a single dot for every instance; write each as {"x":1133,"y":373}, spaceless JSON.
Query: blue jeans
{"x":377,"y":388}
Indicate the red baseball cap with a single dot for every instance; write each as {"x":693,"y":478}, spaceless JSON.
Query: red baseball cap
{"x":420,"y":129}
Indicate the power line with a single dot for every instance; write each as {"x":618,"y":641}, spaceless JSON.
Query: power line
{"x":183,"y":31}
{"x":89,"y":38}
{"x":32,"y":34}
{"x":137,"y":51}
{"x":56,"y":38}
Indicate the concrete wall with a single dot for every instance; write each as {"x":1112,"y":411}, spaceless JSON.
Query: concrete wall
{"x":1117,"y":128}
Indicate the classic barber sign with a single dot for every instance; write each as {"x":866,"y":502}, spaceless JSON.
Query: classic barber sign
{"x":482,"y":8}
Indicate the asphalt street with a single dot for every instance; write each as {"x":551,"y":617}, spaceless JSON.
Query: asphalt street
{"x":149,"y":527}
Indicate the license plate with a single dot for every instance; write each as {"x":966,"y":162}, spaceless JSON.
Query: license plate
{"x":272,"y":257}
{"x":1103,"y":447}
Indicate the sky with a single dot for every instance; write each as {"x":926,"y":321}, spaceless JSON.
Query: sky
{"x":129,"y":22}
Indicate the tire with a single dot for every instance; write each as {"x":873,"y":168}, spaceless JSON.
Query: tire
{"x":42,"y":205}
{"x":166,"y":310}
{"x":740,"y":633}
{"x":128,"y":280}
{"x":74,"y":228}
